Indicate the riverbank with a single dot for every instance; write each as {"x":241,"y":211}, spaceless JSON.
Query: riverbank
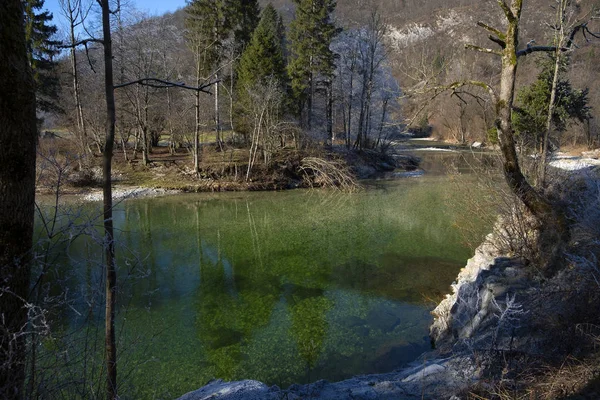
{"x":220,"y":171}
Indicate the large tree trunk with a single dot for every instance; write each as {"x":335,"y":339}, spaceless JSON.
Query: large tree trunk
{"x":18,"y":137}
{"x":109,"y":243}
{"x":553,"y":223}
{"x":539,"y":206}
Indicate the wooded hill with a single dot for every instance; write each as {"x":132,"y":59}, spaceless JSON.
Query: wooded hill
{"x":422,"y":46}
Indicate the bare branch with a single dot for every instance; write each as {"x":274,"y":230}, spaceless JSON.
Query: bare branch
{"x":498,"y":41}
{"x":533,"y":49}
{"x":83,"y":42}
{"x":87,"y":55}
{"x":162,"y":84}
{"x":482,"y":49}
{"x":492,"y":30}
{"x":507,"y":11}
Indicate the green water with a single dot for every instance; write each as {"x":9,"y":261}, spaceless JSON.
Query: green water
{"x":281,"y":287}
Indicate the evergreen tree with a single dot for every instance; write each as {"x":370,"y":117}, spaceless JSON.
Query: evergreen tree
{"x":245,"y":19}
{"x":311,"y":59}
{"x":262,"y":60}
{"x":264,"y":55}
{"x":41,"y":50}
{"x":532,"y":113}
{"x":208,"y":25}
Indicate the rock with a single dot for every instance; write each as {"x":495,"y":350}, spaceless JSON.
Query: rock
{"x":476,"y":145}
{"x":218,"y":389}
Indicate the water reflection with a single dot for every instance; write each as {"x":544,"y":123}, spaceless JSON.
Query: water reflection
{"x":281,"y":287}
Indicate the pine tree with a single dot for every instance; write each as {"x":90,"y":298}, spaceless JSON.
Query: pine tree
{"x":41,"y":50}
{"x":262,"y":60}
{"x":264,"y":55}
{"x":311,"y":59}
{"x":530,"y":116}
{"x":245,"y":18}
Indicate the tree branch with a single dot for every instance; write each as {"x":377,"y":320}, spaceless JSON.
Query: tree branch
{"x":532,"y":49}
{"x":83,"y":42}
{"x":162,"y":84}
{"x":498,"y":41}
{"x":507,"y":11}
{"x":492,"y":30}
{"x":482,"y":49}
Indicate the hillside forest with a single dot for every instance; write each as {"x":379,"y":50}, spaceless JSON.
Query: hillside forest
{"x":281,"y":76}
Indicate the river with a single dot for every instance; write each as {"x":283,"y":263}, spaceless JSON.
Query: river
{"x":281,"y":287}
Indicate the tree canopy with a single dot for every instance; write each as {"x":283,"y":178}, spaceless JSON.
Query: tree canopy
{"x":311,"y":34}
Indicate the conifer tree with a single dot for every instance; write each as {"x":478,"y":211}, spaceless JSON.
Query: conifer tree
{"x":245,"y":18}
{"x":262,"y":60}
{"x":209,"y":24}
{"x":311,"y":59}
{"x":529,"y":118}
{"x":264,"y":55}
{"x":41,"y":50}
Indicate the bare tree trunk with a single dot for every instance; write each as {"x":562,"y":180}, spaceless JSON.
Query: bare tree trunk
{"x":558,"y":39}
{"x":330,"y":110}
{"x":383,"y":114}
{"x":197,"y":127}
{"x":309,"y":105}
{"x":18,"y":138}
{"x":350,"y":100}
{"x":109,"y":243}
{"x":76,"y":96}
{"x":217,"y":113}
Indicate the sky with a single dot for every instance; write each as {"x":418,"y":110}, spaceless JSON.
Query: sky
{"x":153,"y":7}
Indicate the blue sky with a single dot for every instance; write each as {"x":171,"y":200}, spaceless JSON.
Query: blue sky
{"x":153,"y":7}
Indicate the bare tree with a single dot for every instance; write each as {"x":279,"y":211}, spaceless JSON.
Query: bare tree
{"x":109,"y":237}
{"x":562,"y":26}
{"x":372,"y":55}
{"x":265,"y":109}
{"x":75,"y":12}
{"x":18,"y":138}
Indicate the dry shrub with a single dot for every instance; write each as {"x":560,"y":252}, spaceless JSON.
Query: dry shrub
{"x":328,"y":174}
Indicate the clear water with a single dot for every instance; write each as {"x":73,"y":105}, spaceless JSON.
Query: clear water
{"x":281,"y":287}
